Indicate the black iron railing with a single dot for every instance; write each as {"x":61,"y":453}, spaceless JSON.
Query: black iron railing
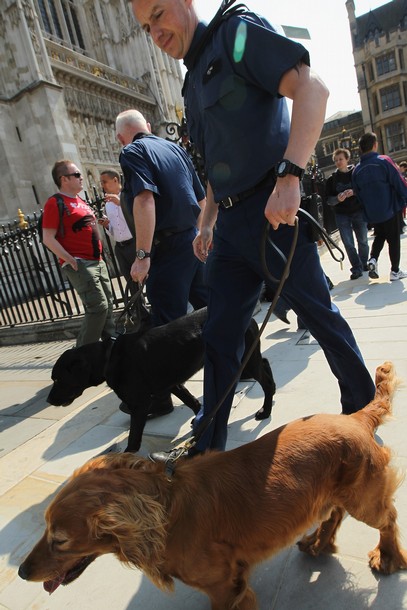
{"x":32,"y":286}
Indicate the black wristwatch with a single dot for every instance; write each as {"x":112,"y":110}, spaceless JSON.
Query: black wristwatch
{"x":142,"y":254}
{"x":285,"y":167}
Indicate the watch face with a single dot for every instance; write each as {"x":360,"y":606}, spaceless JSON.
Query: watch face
{"x":282,"y":167}
{"x":140,"y":254}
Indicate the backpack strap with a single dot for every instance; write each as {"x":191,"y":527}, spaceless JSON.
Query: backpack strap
{"x":61,"y":208}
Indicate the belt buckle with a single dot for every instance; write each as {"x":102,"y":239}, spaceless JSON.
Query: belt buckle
{"x":227,"y":203}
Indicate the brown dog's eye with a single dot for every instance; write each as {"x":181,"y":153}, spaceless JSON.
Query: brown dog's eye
{"x":58,"y":543}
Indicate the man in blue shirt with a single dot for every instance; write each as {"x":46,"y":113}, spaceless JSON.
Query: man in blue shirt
{"x":166,"y":198}
{"x":239,"y":72}
{"x":380,"y":187}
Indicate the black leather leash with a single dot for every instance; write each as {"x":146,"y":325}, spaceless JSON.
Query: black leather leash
{"x":127,"y":315}
{"x":185,"y":446}
{"x":206,"y":421}
{"x":124,"y":320}
{"x":326,"y":238}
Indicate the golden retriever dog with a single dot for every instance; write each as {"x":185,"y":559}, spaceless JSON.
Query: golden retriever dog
{"x":221,"y":513}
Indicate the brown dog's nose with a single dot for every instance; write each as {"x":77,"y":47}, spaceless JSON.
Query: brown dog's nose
{"x":22,"y":572}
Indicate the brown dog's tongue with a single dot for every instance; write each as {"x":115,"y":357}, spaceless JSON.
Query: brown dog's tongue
{"x":51,"y":585}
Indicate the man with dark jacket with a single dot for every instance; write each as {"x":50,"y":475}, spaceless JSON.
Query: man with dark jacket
{"x":349,"y":215}
{"x":382,"y":190}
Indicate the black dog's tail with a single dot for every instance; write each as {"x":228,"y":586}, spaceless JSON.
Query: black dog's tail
{"x":380,"y":408}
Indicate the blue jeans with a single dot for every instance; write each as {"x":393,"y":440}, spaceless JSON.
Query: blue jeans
{"x":349,"y":224}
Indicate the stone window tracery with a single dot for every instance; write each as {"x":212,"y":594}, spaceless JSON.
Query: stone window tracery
{"x":59,"y":20}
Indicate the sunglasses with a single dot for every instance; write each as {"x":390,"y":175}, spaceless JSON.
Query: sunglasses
{"x":76,"y":174}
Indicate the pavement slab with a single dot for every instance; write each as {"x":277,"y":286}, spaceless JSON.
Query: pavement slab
{"x":41,"y":445}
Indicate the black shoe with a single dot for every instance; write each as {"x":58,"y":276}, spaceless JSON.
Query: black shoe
{"x":355,"y":275}
{"x":300,"y":324}
{"x":280,"y":311}
{"x":164,"y":456}
{"x":281,"y":316}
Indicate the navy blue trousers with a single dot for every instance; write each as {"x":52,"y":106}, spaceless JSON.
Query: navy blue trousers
{"x":176,"y":278}
{"x":234,"y":277}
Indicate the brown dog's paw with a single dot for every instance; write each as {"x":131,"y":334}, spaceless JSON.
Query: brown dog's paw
{"x":312,"y":545}
{"x":385,"y":563}
{"x":308,"y":544}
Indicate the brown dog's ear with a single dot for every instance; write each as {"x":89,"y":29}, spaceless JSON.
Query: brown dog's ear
{"x":115,"y":461}
{"x":137,"y":522}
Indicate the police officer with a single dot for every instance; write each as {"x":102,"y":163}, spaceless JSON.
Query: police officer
{"x":166,"y":197}
{"x":239,"y":72}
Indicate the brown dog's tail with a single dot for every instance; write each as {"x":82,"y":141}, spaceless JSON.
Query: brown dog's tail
{"x":380,"y":408}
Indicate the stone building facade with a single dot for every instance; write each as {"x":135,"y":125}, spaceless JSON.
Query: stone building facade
{"x":67,"y":68}
{"x":341,"y":130}
{"x":379,"y":40}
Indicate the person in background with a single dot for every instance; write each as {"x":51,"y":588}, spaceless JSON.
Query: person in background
{"x":403,"y":170}
{"x":239,"y":73}
{"x":78,"y":247}
{"x":349,"y":215}
{"x":380,"y":187}
{"x":165,"y":197}
{"x":115,"y":223}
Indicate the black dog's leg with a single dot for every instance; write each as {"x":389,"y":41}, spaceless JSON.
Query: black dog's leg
{"x":266,"y":380}
{"x":187,"y":398}
{"x":259,"y":368}
{"x":138,"y":420}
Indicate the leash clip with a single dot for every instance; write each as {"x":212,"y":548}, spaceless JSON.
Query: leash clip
{"x":174,"y":456}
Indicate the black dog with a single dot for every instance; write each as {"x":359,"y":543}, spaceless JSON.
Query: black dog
{"x":138,"y":366}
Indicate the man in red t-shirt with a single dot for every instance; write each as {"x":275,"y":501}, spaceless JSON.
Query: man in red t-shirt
{"x":78,"y":248}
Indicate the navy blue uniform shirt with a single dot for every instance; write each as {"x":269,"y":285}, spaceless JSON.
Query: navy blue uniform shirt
{"x":162,"y":167}
{"x":236,"y":117}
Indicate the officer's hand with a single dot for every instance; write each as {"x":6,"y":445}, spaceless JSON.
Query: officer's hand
{"x":203,"y":243}
{"x":283,"y":203}
{"x":139,"y":270}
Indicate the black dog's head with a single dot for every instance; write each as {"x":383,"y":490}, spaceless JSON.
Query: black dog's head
{"x":74,"y":371}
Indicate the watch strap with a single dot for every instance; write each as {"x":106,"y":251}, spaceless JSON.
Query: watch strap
{"x":285,"y":166}
{"x":142,"y":254}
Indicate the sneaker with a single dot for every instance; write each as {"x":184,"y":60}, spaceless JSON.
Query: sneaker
{"x":397,"y":275}
{"x":372,"y":267}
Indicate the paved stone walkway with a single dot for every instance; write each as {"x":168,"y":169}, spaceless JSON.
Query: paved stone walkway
{"x":40,"y":445}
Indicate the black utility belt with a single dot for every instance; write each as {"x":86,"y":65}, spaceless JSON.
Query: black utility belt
{"x":232,"y":200}
{"x":160,"y":236}
{"x":121,"y":244}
